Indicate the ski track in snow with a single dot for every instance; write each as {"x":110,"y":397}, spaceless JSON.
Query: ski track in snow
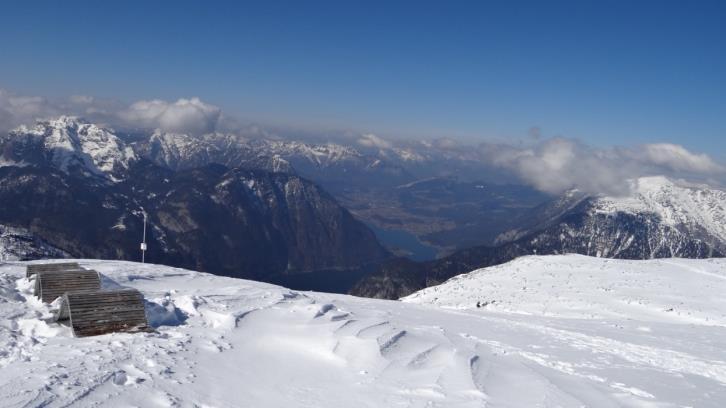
{"x":223,"y":342}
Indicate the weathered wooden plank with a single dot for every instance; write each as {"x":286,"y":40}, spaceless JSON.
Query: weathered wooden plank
{"x":97,"y":300}
{"x":64,"y":283}
{"x":111,"y":316}
{"x":100,"y":312}
{"x":32,"y":269}
{"x":101,"y":295}
{"x":110,"y":327}
{"x":102,"y":302}
{"x":68,"y":284}
{"x":130,"y":321}
{"x":49,"y":285}
{"x":106,"y":310}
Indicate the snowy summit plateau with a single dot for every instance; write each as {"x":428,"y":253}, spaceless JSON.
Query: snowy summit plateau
{"x":540,"y":331}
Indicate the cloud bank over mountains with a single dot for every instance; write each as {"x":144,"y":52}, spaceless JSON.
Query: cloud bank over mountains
{"x":192,"y":116}
{"x":558,"y":164}
{"x":552,"y":165}
{"x":678,"y":158}
{"x":183,"y":116}
{"x":371,"y":140}
{"x":18,"y":109}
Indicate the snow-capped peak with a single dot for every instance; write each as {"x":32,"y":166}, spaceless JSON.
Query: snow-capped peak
{"x":72,"y":141}
{"x":676,"y":203}
{"x":320,"y":154}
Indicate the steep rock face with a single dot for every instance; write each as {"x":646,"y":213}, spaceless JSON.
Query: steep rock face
{"x":661,"y":219}
{"x":247,"y":223}
{"x":77,"y":188}
{"x":258,"y":222}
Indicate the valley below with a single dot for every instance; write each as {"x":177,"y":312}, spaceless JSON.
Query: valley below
{"x":444,"y":214}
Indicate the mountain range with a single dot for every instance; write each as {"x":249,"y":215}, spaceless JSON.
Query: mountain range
{"x":419,"y":191}
{"x":660,"y":218}
{"x":422,"y":191}
{"x":301,"y":213}
{"x":80,"y":190}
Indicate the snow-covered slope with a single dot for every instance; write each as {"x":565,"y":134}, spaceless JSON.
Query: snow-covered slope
{"x":222,"y":342}
{"x":576,"y":286}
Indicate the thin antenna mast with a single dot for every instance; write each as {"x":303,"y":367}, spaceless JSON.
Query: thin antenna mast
{"x":143,"y":243}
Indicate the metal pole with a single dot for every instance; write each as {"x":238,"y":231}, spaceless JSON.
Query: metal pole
{"x":143,"y":244}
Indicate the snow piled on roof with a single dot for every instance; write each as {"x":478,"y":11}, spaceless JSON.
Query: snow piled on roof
{"x":223,"y":342}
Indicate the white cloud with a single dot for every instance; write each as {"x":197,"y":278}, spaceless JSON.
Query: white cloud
{"x":557,"y":164}
{"x":19,"y":109}
{"x":371,"y":140}
{"x":677,"y":158}
{"x":184,"y":116}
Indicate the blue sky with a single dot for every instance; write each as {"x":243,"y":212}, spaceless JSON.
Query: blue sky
{"x":608,"y":73}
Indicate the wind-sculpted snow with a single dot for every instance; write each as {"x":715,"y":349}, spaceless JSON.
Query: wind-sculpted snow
{"x":222,"y":342}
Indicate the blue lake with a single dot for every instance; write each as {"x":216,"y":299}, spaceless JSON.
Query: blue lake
{"x":406,"y":241}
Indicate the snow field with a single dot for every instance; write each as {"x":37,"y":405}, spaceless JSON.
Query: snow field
{"x":223,"y":342}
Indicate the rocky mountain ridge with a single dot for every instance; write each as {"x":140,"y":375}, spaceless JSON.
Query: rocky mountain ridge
{"x":82,"y":190}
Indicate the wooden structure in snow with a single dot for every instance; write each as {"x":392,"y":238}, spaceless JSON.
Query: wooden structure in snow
{"x":50,"y":285}
{"x":32,"y":269}
{"x":101,"y":312}
{"x":90,"y":310}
